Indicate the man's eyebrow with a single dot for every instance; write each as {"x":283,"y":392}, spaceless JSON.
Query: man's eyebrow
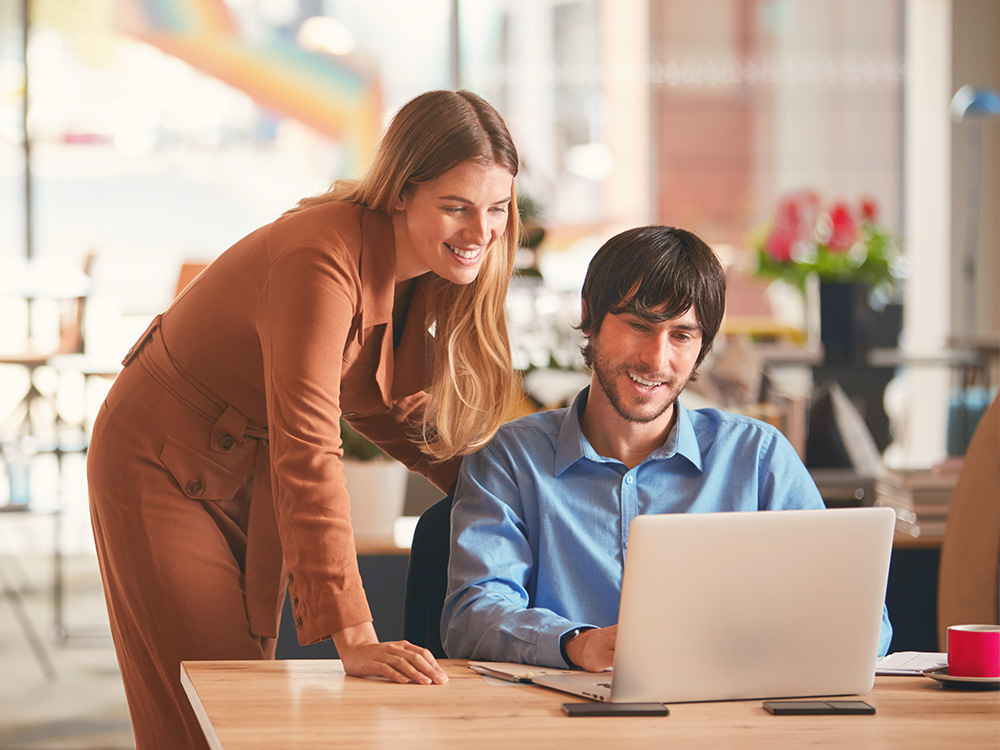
{"x":646,"y":318}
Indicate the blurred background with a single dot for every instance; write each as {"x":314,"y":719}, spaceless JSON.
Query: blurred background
{"x":842,"y":156}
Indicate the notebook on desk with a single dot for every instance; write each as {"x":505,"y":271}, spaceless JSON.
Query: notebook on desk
{"x":729,"y":606}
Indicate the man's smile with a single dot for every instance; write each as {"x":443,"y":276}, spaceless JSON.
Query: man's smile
{"x":643,"y":382}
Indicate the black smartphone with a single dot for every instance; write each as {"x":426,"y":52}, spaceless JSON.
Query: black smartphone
{"x":853,"y":707}
{"x":798,"y":708}
{"x":615,"y":709}
{"x":814,"y":708}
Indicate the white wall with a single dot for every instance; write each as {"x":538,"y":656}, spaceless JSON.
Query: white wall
{"x":949,"y":43}
{"x":928,"y":220}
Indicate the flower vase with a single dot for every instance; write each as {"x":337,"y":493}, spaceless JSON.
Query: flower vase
{"x":841,"y":324}
{"x":849,"y":326}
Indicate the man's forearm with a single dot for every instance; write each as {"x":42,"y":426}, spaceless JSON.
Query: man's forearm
{"x":495,"y":631}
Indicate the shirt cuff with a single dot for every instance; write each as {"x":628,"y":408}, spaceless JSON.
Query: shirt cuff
{"x":565,"y":638}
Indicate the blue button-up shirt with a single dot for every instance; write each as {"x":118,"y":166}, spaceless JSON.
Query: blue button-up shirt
{"x":540,"y":521}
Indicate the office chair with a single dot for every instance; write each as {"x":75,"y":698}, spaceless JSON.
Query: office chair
{"x":427,"y":578}
{"x":969,"y":574}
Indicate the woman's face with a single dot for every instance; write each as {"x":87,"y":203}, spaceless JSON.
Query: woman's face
{"x":448,"y":224}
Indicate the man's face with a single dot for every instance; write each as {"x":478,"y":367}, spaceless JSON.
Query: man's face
{"x":643,"y":366}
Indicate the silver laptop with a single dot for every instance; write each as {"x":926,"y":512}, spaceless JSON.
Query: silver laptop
{"x":729,"y":606}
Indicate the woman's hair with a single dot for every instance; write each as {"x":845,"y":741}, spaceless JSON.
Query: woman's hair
{"x":472,"y":386}
{"x":656,"y":273}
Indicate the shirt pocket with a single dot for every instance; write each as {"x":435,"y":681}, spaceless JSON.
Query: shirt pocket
{"x":199,"y":477}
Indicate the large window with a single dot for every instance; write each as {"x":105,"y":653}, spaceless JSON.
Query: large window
{"x":699,"y":113}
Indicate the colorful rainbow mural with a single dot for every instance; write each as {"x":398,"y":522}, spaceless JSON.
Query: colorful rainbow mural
{"x":334,"y":95}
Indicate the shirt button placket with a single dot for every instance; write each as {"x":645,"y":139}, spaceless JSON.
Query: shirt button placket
{"x":628,"y":506}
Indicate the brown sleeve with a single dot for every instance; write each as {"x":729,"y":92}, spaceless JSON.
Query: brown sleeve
{"x":391,"y":431}
{"x":306,"y":315}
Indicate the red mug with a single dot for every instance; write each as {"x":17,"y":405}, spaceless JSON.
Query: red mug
{"x":974,"y":651}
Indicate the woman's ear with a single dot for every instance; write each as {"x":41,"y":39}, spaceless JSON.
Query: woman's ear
{"x":402,"y":200}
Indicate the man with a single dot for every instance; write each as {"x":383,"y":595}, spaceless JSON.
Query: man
{"x":541,"y":514}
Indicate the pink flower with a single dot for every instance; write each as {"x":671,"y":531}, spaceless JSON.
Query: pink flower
{"x":779,"y":243}
{"x":788,"y":213}
{"x":810,"y":237}
{"x":809,"y":200}
{"x":789,"y":226}
{"x":869,"y":210}
{"x":843,"y":228}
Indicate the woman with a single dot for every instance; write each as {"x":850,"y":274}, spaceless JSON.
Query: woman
{"x":214,"y":468}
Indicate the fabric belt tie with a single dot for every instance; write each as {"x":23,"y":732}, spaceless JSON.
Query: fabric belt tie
{"x":264,"y":565}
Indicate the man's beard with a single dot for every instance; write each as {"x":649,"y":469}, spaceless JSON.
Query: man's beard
{"x":607,"y":376}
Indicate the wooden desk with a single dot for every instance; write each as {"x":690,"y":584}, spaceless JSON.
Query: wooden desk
{"x":311,"y":704}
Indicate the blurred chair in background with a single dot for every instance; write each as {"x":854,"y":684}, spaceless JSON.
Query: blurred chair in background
{"x":68,"y":288}
{"x":969,"y":577}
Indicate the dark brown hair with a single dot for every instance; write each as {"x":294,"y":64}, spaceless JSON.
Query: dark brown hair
{"x":656,"y":273}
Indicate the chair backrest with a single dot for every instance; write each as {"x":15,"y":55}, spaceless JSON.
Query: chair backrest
{"x":969,"y":574}
{"x":427,"y":578}
{"x":72,"y":317}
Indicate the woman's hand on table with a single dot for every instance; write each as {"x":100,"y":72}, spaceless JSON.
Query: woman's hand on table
{"x":399,"y":661}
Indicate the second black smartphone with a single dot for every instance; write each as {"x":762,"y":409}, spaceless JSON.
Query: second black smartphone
{"x":615,"y":709}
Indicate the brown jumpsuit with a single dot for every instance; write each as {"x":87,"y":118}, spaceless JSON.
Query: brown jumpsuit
{"x":214,"y":468}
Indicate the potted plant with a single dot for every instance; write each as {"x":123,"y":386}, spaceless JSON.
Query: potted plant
{"x":858,"y":264}
{"x":376,"y":484}
{"x":530,"y":211}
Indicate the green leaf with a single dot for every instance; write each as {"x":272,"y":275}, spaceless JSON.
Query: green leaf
{"x":357,"y":445}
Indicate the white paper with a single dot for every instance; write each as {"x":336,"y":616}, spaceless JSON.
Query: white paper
{"x":910,"y":662}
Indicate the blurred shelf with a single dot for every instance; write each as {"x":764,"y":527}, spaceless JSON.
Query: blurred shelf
{"x":892,"y":357}
{"x":761,"y":327}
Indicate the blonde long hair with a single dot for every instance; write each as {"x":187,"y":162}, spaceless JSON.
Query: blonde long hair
{"x":472,"y":386}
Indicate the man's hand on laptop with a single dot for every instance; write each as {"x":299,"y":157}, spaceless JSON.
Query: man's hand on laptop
{"x":594,"y":649}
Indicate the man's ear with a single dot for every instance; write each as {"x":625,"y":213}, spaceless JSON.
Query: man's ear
{"x":583,"y":317}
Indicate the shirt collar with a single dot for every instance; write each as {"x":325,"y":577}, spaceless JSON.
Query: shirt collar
{"x":377,"y":274}
{"x":681,"y":441}
{"x":376,"y":268}
{"x":572,"y":445}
